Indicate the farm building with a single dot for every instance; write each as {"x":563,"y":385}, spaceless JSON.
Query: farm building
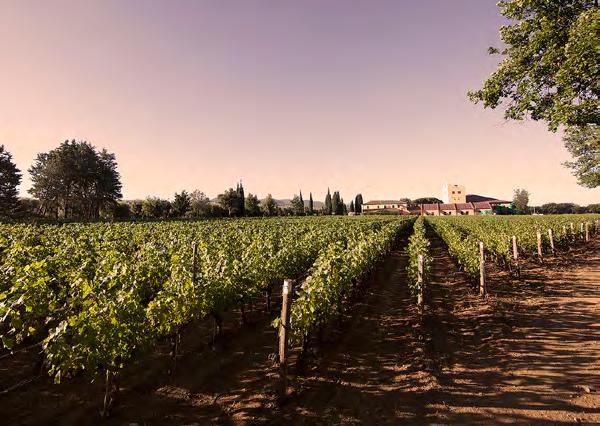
{"x":464,"y":209}
{"x":469,"y":208}
{"x":393,"y":206}
{"x":456,"y":202}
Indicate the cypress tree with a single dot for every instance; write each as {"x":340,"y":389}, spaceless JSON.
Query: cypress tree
{"x":311,"y":210}
{"x":335,"y":203}
{"x":10,"y":178}
{"x":241,"y":199}
{"x":358,"y":202}
{"x":351,"y":206}
{"x":302,"y":203}
{"x":343,"y":207}
{"x":328,"y":205}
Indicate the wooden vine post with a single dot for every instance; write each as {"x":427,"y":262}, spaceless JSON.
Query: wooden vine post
{"x":482,"y":287}
{"x":283,"y":334}
{"x":551,"y":238}
{"x":539,"y":245}
{"x":587,"y":232}
{"x":110,"y":391}
{"x":582,"y":232}
{"x":194,"y":261}
{"x":572,"y":230}
{"x":565,"y":235}
{"x":515,"y":251}
{"x":420,"y":283}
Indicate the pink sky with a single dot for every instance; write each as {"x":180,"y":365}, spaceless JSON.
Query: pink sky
{"x":359,"y":96}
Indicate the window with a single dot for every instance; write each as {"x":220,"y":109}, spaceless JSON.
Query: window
{"x":459,"y":192}
{"x":453,"y":192}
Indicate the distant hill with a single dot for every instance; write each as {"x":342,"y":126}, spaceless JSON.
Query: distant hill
{"x":287,"y":202}
{"x":284,"y":202}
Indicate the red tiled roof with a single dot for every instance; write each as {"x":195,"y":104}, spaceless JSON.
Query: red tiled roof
{"x":447,"y":206}
{"x":430,"y":206}
{"x":483,"y":205}
{"x":464,"y":206}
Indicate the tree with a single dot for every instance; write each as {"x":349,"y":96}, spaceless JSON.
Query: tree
{"x":328,"y":207}
{"x":252,"y":205}
{"x":75,"y":180}
{"x":302,"y":204}
{"x":593,"y":208}
{"x":408,"y":201}
{"x":10,"y":178}
{"x":351,"y":206}
{"x":268,"y":206}
{"x":550,"y":67}
{"x":135,"y":208}
{"x":230,"y":201}
{"x":121,"y":211}
{"x":181,"y":204}
{"x":337,"y":206}
{"x":583,"y":143}
{"x":28,"y":207}
{"x":520,"y":201}
{"x":241,"y":199}
{"x":156,"y":208}
{"x":426,"y":200}
{"x":358,"y":202}
{"x":344,"y":208}
{"x":297,"y":207}
{"x":199,"y":204}
{"x":559,"y":208}
{"x":311,"y":207}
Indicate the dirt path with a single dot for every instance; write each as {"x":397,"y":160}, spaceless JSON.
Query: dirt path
{"x":526,"y":354}
{"x":530,"y":354}
{"x":369,"y":373}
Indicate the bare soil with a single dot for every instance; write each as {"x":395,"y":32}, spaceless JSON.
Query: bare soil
{"x":528,"y":353}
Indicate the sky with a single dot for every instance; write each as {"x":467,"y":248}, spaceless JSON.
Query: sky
{"x":361,"y":96}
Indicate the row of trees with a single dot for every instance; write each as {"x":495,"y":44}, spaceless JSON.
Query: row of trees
{"x":73,"y":180}
{"x":77,"y":181}
{"x":231,"y":203}
{"x":521,"y":206}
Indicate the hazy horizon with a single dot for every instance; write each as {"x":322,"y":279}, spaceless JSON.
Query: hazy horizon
{"x":359,"y":96}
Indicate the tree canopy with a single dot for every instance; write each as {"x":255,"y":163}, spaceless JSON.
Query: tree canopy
{"x":521,"y":201}
{"x":181,"y":204}
{"x":156,"y":208}
{"x":10,"y":178}
{"x":230,"y":201}
{"x":252,"y":205}
{"x":297,"y":206}
{"x":199,"y":204}
{"x":584,"y":145}
{"x":75,"y":180}
{"x":550,"y":62}
{"x":358,"y":202}
{"x":268,"y":205}
{"x":328,"y":207}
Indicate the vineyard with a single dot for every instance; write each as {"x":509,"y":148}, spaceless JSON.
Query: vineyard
{"x":91,"y":299}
